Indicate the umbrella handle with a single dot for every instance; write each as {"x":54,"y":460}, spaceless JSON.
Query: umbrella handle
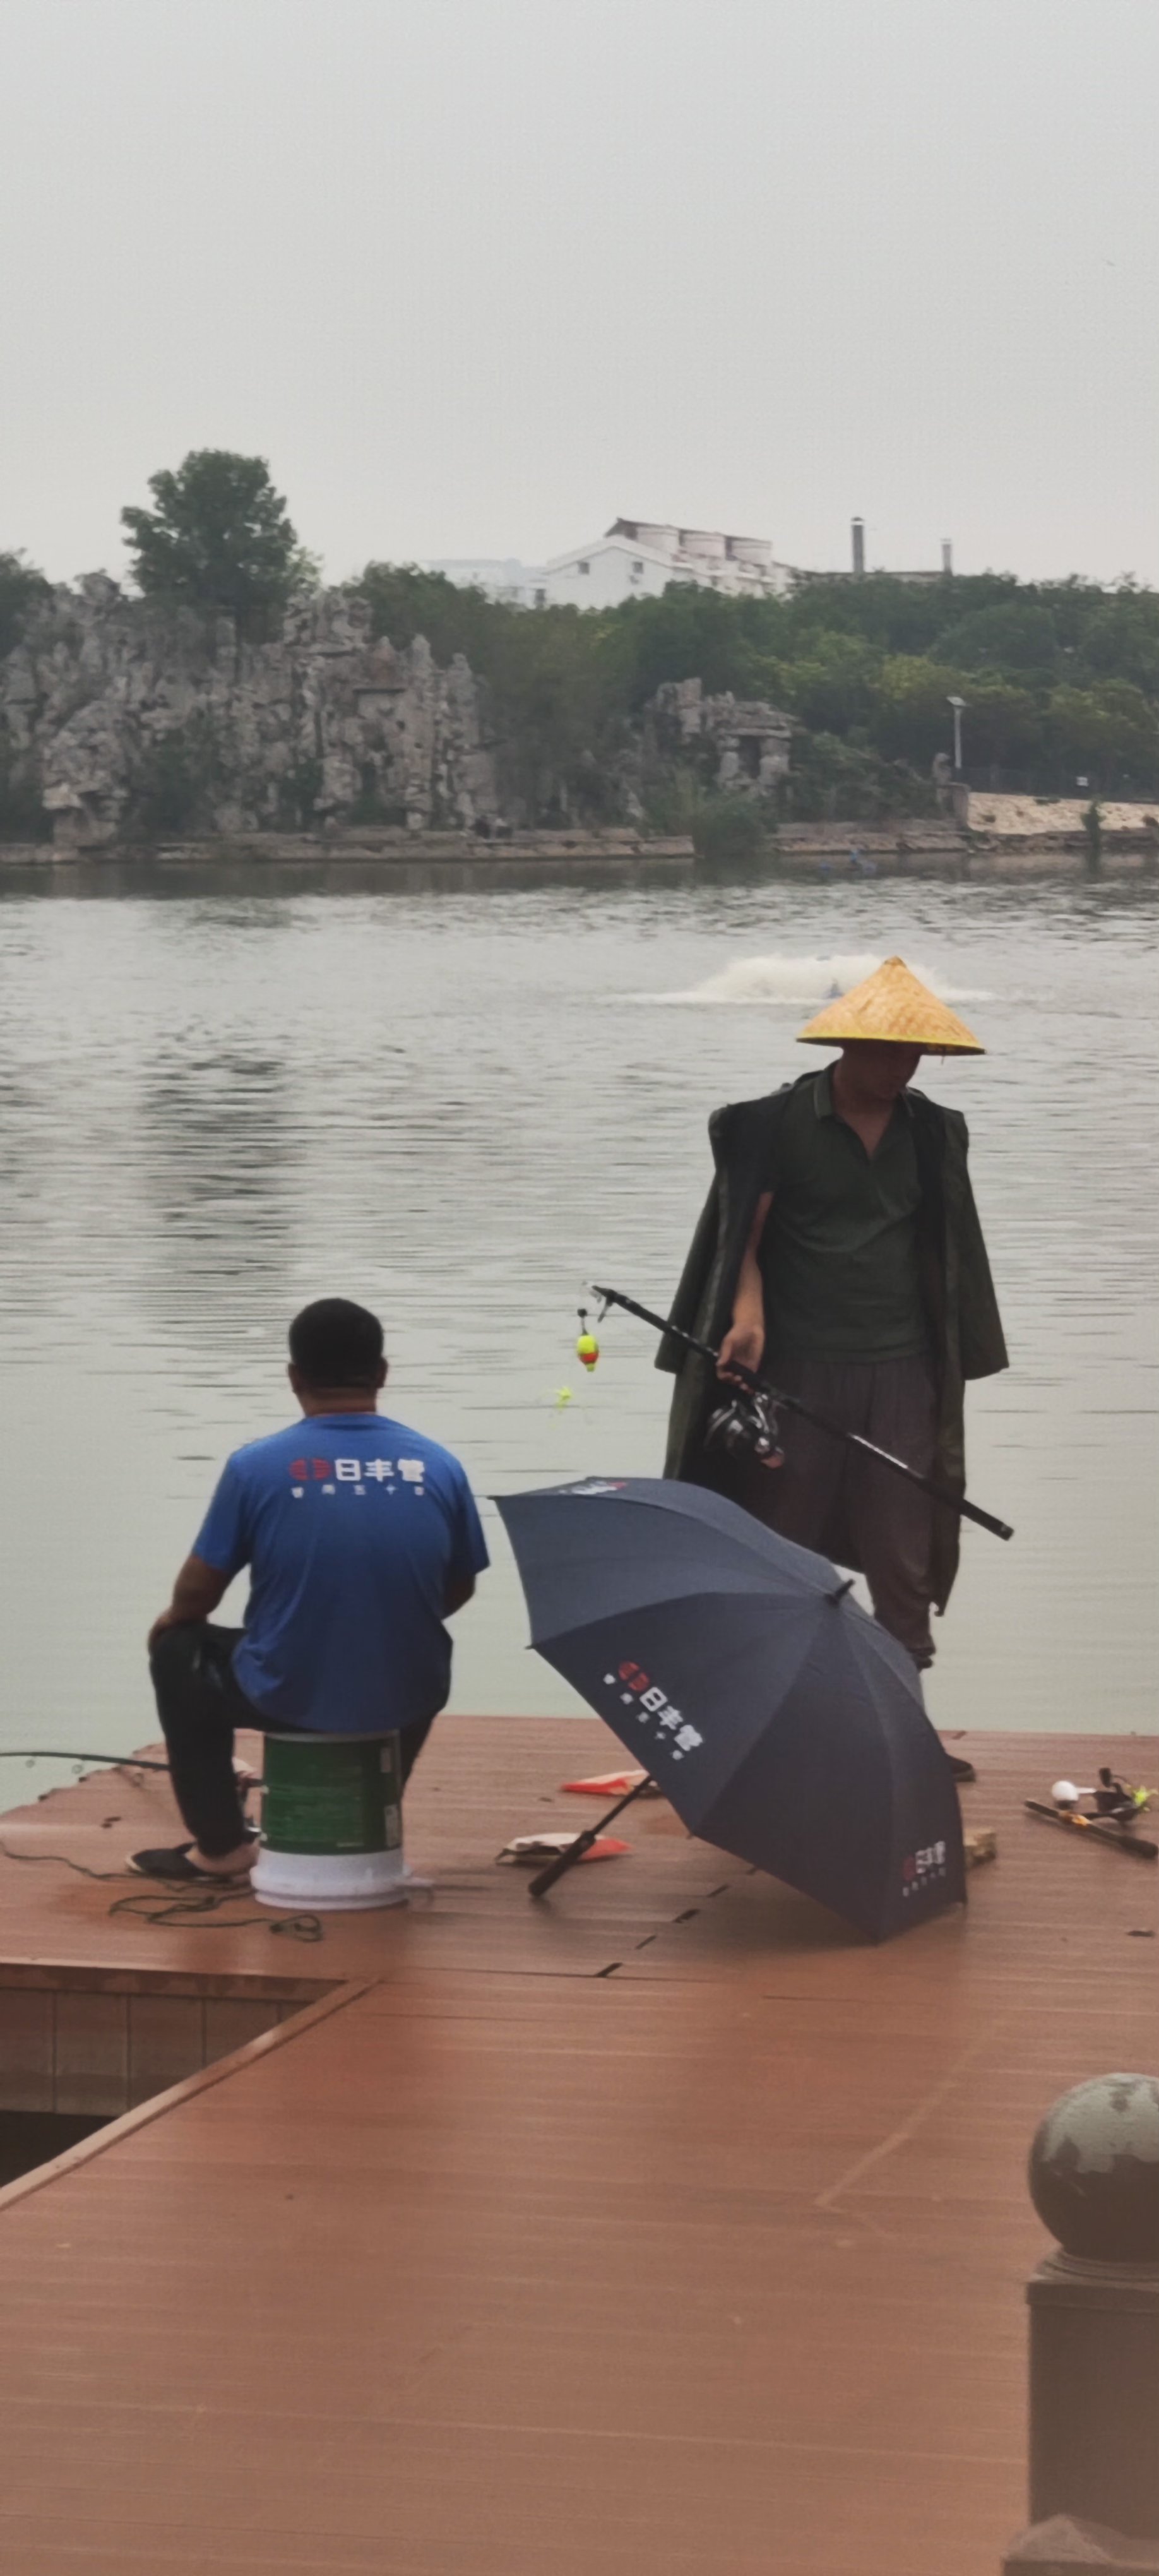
{"x":583,"y":1842}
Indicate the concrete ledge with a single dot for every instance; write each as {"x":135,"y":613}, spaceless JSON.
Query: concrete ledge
{"x":1053,"y":2548}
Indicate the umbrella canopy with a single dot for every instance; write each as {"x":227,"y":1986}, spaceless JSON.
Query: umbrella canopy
{"x":783,"y":1724}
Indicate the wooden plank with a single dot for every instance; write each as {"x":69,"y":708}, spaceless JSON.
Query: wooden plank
{"x":665,"y":2228}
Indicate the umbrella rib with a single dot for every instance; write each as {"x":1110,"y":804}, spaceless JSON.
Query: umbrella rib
{"x":737,"y":1538}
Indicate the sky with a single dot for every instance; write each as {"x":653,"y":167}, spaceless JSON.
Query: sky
{"x":478,"y":276}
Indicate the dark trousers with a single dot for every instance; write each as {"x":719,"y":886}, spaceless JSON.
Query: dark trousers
{"x":200,"y":1704}
{"x":825,"y":1489}
{"x":831,"y":1498}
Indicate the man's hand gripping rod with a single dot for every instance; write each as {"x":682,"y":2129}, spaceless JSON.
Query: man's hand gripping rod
{"x":792,"y":1404}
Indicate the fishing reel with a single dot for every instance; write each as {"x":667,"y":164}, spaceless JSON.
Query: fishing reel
{"x":746,"y":1425}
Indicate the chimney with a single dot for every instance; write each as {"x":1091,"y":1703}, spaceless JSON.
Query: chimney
{"x":859,"y":546}
{"x":947,"y":555}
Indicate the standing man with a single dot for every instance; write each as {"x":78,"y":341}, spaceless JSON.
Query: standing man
{"x":361,"y":1538}
{"x":840,"y":1252}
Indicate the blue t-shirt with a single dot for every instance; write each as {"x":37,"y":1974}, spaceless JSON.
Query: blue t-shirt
{"x":354,"y":1530}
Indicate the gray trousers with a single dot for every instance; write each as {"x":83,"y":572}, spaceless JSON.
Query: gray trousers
{"x":828,"y":1498}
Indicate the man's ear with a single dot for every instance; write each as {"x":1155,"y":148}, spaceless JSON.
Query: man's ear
{"x":295,"y":1376}
{"x":383,"y":1372}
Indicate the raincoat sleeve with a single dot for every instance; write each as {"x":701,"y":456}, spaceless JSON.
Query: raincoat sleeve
{"x":689,"y":1295}
{"x":982,"y":1342}
{"x":742,"y":1141}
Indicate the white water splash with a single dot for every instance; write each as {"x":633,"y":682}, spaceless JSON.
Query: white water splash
{"x":802,"y":980}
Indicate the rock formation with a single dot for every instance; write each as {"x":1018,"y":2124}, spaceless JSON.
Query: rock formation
{"x":746,"y":740}
{"x":115,"y":711}
{"x":127,"y":721}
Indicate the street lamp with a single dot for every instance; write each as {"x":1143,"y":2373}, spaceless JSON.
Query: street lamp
{"x":957,"y":704}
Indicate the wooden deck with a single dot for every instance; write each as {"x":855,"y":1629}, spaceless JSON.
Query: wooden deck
{"x":661,"y":2231}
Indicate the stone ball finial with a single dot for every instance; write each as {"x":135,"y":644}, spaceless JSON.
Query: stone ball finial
{"x":1094,"y":2169}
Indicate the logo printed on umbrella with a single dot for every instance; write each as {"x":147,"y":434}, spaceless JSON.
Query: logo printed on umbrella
{"x":674,"y":1735}
{"x":922,"y":1868}
{"x":597,"y":1485}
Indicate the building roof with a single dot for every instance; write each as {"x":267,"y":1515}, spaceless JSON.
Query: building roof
{"x":686,"y":536}
{"x":613,"y":543}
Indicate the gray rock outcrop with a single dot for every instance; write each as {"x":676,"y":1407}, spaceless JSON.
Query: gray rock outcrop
{"x":126,"y":718}
{"x":746,"y":740}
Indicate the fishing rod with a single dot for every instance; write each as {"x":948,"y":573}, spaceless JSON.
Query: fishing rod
{"x":767,"y":1399}
{"x":46,"y":1753}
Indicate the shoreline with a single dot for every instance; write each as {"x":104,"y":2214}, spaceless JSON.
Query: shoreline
{"x":454,"y":861}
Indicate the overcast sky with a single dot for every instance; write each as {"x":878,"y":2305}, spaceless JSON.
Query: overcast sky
{"x":478,"y":275}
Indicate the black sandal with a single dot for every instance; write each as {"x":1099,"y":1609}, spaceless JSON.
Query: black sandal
{"x":174,"y":1867}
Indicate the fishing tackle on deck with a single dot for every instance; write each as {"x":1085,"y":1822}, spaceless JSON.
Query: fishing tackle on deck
{"x":1096,"y":1828}
{"x":1113,"y":1801}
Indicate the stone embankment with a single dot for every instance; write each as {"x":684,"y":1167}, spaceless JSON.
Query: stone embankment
{"x":441,"y":858}
{"x":1003,"y":837}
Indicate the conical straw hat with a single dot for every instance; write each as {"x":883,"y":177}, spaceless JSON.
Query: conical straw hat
{"x":891,"y":1005}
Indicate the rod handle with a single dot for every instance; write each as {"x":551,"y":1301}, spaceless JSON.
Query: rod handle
{"x":985,"y":1520}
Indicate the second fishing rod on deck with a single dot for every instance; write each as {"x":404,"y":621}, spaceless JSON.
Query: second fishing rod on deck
{"x":749,"y":1423}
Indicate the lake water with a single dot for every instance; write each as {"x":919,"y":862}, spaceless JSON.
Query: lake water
{"x":217,"y":1103}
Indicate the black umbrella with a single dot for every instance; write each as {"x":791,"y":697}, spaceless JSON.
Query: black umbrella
{"x":782,"y":1723}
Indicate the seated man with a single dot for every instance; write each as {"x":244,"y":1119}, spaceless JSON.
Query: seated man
{"x":360,"y":1539}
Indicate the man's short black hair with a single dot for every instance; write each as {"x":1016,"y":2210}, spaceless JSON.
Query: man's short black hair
{"x":336,"y":1343}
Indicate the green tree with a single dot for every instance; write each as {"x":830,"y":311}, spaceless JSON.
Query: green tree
{"x":911,"y":720}
{"x":219,"y":538}
{"x":21,"y":586}
{"x":1109,"y":733}
{"x":1060,"y":679}
{"x":1121,"y":640}
{"x":832,"y":685}
{"x":405,"y":602}
{"x":832,"y":780}
{"x":1015,"y":637}
{"x":1005,"y":726}
{"x":558,"y":684}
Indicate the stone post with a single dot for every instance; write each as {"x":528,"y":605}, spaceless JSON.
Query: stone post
{"x":1094,"y":2333}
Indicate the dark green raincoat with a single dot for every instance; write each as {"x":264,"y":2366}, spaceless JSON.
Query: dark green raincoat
{"x":964,"y":1324}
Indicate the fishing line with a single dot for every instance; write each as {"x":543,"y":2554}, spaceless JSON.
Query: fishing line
{"x":63,"y":1862}
{"x":47,"y":1753}
{"x":171,"y":1912}
{"x":201,"y":1902}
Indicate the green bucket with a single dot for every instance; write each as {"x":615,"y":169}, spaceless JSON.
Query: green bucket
{"x":330,"y":1795}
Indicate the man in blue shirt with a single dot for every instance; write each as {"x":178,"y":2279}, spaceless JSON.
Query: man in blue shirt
{"x":361,"y":1538}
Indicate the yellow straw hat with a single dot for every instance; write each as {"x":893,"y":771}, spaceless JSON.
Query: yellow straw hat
{"x":892,"y":1006}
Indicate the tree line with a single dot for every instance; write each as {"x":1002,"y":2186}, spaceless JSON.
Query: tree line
{"x":1060,"y":679}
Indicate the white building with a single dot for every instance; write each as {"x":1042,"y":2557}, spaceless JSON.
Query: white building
{"x":503,"y":577}
{"x":634,"y":559}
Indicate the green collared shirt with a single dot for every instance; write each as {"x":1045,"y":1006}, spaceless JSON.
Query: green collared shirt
{"x":839,"y":1254}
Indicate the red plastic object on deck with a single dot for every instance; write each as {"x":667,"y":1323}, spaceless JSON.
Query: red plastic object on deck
{"x":605,"y":1784}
